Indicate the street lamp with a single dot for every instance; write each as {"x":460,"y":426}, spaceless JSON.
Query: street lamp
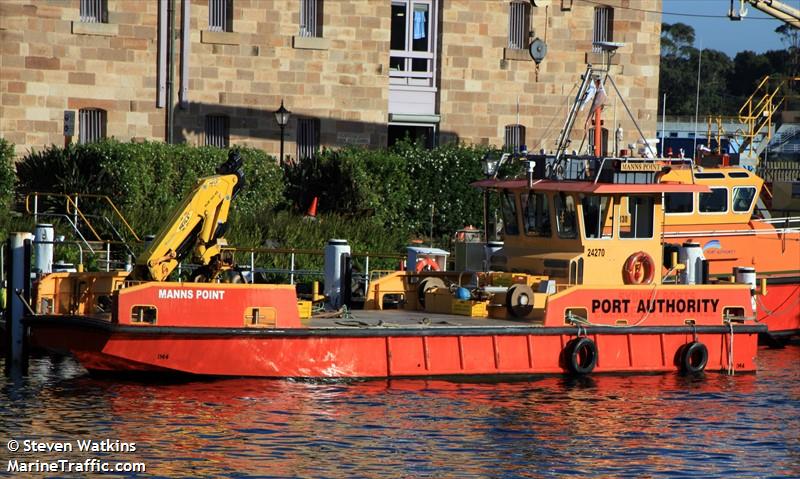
{"x":282,"y":117}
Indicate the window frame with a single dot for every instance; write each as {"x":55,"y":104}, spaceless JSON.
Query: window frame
{"x":314,"y":9}
{"x":601,"y":227}
{"x":538,"y":232}
{"x":407,"y":77}
{"x":727,"y":201}
{"x":684,"y":213}
{"x":519,"y":24}
{"x":557,"y":200}
{"x":514,"y":132}
{"x":307,"y":141}
{"x":98,"y":133}
{"x":225,"y":134}
{"x":632,"y":224}
{"x":752,"y":200}
{"x":223,"y":9}
{"x":505,"y":203}
{"x":602,"y":26}
{"x":98,"y":9}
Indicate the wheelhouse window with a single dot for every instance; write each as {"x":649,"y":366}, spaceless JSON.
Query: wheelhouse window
{"x":510,"y":225}
{"x":518,"y":24}
{"x":678,"y":203}
{"x":566,"y":216}
{"x":603,"y":26}
{"x":412,"y":46}
{"x":714,"y":202}
{"x":536,"y":214}
{"x":743,"y":198}
{"x":597,"y":220}
{"x":217,"y":131}
{"x":639,"y":222}
{"x":220,"y":15}
{"x":514,"y":137}
{"x":307,"y":137}
{"x":94,"y":11}
{"x":311,"y":18}
{"x":92,"y":124}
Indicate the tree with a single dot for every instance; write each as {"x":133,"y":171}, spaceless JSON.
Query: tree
{"x":790,"y":36}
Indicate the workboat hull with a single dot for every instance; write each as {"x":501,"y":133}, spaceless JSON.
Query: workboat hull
{"x":381,"y":352}
{"x":779,"y":309}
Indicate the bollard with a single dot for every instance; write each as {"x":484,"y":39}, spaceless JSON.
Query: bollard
{"x":333,"y":271}
{"x":18,"y":276}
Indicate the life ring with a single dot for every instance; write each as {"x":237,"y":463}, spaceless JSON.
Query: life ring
{"x":694,"y":357}
{"x":639,"y":268}
{"x":581,"y":355}
{"x":426,"y":264}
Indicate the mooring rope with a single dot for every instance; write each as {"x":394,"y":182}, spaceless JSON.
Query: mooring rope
{"x":731,"y":370}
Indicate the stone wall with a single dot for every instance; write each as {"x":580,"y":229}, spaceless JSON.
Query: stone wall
{"x":50,"y":62}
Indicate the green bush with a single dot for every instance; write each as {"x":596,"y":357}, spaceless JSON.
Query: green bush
{"x":7,"y":174}
{"x":440,"y":179}
{"x":376,"y":199}
{"x":146,"y":180}
{"x":354,"y":182}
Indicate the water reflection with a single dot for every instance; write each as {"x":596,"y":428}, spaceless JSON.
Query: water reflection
{"x":653,"y":425}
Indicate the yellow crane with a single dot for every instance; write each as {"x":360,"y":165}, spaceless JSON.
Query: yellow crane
{"x":779,"y":10}
{"x":196,"y":228}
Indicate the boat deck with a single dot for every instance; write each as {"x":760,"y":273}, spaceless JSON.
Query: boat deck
{"x":406,"y":319}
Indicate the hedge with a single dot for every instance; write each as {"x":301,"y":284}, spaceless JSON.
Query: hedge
{"x":377,"y":199}
{"x":146,"y":180}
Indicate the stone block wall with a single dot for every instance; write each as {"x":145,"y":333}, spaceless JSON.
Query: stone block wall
{"x":50,"y":62}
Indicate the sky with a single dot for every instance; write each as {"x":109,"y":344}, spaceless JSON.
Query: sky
{"x":721,"y":33}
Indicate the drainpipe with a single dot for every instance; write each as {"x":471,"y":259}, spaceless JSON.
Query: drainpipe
{"x":171,"y":73}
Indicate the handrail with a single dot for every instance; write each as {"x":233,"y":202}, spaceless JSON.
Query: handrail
{"x":70,"y":203}
{"x":305,"y":251}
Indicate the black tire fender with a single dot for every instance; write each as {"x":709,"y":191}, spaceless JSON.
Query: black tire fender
{"x":694,"y":357}
{"x":580,"y":355}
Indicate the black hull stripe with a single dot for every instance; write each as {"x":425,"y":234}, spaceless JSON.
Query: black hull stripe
{"x":146,"y":331}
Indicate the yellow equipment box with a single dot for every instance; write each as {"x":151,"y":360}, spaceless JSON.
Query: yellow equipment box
{"x":475,"y":309}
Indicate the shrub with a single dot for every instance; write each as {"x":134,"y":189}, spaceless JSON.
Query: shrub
{"x":355,"y":182}
{"x":441,"y":178}
{"x":146,"y":180}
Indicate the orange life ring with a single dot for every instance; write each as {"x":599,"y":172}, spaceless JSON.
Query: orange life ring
{"x":426,"y":264}
{"x":639,"y":268}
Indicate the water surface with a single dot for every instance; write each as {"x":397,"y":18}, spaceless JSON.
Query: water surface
{"x":652,"y":425}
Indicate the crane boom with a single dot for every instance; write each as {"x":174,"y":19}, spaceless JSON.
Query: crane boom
{"x":197,"y":225}
{"x":779,"y":10}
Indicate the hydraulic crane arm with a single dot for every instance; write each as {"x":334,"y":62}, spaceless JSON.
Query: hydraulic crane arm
{"x":779,"y":10}
{"x":197,"y":225}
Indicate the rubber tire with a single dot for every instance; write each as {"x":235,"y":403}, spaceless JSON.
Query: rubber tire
{"x":581,"y":356}
{"x":694,"y":358}
{"x":513,"y":305}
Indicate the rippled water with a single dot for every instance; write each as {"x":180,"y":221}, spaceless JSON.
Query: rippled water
{"x":653,"y":425}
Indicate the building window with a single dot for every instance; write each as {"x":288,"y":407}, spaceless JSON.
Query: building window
{"x":217,"y":131}
{"x":518,"y":24}
{"x":515,"y":138}
{"x":603,"y":26}
{"x":94,"y":11}
{"x":220,"y":15}
{"x":311,"y":18}
{"x":92,"y":124}
{"x":412,"y":44}
{"x":307,"y":137}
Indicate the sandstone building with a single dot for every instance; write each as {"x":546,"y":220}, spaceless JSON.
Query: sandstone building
{"x":350,"y":71}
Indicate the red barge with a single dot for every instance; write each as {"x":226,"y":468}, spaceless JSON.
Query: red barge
{"x":581,"y":291}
